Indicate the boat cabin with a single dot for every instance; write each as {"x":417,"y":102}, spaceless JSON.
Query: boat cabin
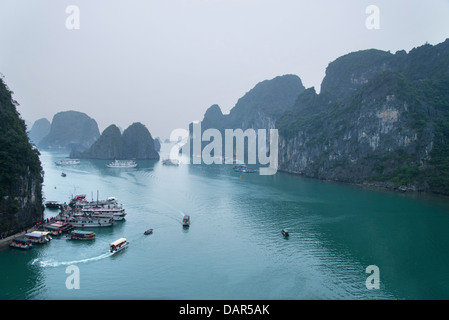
{"x":54,"y":230}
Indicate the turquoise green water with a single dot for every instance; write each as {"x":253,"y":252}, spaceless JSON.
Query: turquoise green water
{"x":234,"y":248}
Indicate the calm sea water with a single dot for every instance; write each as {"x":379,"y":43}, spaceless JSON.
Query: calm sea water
{"x":234,"y":248}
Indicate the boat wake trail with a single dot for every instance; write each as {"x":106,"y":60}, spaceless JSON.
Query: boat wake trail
{"x":52,"y":263}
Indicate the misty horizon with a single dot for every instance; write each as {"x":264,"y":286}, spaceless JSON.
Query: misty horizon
{"x":165,"y":63}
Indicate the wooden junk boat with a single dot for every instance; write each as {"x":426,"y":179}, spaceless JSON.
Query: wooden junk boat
{"x":38,"y":237}
{"x":58,"y":227}
{"x":21,"y":243}
{"x":82,"y":235}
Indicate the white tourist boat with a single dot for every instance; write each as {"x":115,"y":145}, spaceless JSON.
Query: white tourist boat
{"x":89,"y":222}
{"x":122,"y":164}
{"x":118,"y":245}
{"x":67,"y":162}
{"x":96,"y":209}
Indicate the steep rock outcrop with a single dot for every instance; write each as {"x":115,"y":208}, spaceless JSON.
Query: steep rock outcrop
{"x":383,"y":122}
{"x":157,"y":144}
{"x":21,"y":174}
{"x":108,"y":146}
{"x":39,"y":130}
{"x":136,"y":142}
{"x":259,"y":108}
{"x":71,"y":129}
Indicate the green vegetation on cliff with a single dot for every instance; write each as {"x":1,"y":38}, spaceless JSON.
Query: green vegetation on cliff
{"x":380,"y":118}
{"x":21,"y":173}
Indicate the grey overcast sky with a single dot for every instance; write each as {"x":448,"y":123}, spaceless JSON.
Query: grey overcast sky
{"x":164,"y":62}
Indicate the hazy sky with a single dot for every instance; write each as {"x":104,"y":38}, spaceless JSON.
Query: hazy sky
{"x":164,"y":62}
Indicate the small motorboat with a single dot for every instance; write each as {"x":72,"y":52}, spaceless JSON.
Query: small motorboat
{"x":285,"y":232}
{"x":118,"y":245}
{"x":63,"y":174}
{"x":149,"y":231}
{"x":186,"y":221}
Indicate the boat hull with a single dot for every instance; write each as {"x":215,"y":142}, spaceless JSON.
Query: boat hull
{"x":90,"y":223}
{"x":82,"y":238}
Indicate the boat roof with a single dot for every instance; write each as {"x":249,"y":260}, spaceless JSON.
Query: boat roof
{"x":34,"y":235}
{"x":59,"y":223}
{"x":43,"y":233}
{"x":118,"y":241}
{"x":20,"y":239}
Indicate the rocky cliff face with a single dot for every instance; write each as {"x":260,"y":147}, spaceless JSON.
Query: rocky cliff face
{"x":71,"y":129}
{"x":135,"y":143}
{"x":21,"y":173}
{"x":157,"y":144}
{"x":380,"y":119}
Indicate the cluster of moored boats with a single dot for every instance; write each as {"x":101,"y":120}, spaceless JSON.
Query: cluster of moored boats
{"x":79,"y":213}
{"x":92,"y":214}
